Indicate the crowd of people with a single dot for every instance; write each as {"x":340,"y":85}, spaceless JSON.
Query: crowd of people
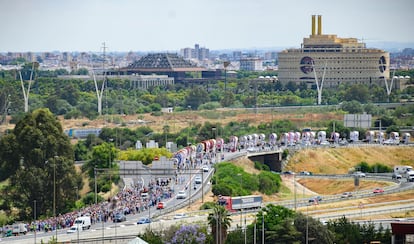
{"x":130,"y":200}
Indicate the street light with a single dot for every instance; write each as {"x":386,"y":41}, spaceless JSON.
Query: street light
{"x":241,"y":203}
{"x":34,"y":222}
{"x":263,"y":227}
{"x":54,"y":196}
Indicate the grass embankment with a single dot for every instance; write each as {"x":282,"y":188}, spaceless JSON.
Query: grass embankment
{"x":341,"y":159}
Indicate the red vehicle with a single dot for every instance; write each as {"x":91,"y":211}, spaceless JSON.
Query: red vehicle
{"x":378,"y":190}
{"x":161,"y":205}
{"x":234,"y":204}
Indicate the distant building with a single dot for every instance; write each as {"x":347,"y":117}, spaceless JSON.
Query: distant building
{"x":195,"y":53}
{"x":143,"y":82}
{"x":162,"y":64}
{"x":336,"y":59}
{"x":251,"y":64}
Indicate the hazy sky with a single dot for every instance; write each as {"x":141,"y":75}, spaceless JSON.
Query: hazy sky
{"x":162,"y":25}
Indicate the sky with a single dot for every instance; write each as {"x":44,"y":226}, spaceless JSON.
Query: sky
{"x":167,"y":25}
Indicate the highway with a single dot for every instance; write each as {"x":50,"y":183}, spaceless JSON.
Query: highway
{"x":163,"y":218}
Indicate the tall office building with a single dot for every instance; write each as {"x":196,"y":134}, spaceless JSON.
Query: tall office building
{"x":334,"y":59}
{"x":251,"y":64}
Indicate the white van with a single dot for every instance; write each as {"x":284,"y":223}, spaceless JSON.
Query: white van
{"x":402,"y":170}
{"x":83,"y":222}
{"x":18,"y":229}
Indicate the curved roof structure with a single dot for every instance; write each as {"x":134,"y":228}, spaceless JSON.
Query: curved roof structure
{"x":163,"y":62}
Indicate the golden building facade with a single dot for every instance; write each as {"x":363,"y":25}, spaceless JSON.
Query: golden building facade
{"x":334,"y":60}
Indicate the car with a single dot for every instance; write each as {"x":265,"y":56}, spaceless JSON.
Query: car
{"x":73,"y":229}
{"x":144,"y":220}
{"x":288,"y":173}
{"x":198,"y":180}
{"x":378,"y":190}
{"x":180,"y":216}
{"x":315,"y":199}
{"x":181,"y":195}
{"x":396,"y":176}
{"x":359,"y":174}
{"x":305,"y":173}
{"x":325,"y":143}
{"x":346,"y":194}
{"x":119,"y":217}
{"x":205,"y":168}
{"x":161,"y":205}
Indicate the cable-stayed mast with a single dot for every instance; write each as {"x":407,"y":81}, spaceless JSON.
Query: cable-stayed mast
{"x":388,"y":87}
{"x":99,"y":92}
{"x":26,"y":92}
{"x":319,"y":86}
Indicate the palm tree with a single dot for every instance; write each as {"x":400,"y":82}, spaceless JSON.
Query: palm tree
{"x":219,"y":222}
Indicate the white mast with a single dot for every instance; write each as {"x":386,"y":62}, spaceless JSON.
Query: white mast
{"x":389,"y":88}
{"x":319,"y":87}
{"x":26,"y":93}
{"x":99,"y":93}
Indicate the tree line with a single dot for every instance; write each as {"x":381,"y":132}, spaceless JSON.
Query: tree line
{"x":74,"y":98}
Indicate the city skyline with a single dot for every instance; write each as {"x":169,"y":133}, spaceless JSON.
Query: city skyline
{"x":161,"y":25}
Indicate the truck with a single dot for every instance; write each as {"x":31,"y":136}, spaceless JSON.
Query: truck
{"x":410,"y":176}
{"x":234,"y":204}
{"x":83,"y":222}
{"x":402,"y":170}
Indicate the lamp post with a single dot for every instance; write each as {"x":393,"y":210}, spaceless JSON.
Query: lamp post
{"x":241,"y":203}
{"x":34,"y":222}
{"x":54,"y":196}
{"x":263,"y":226}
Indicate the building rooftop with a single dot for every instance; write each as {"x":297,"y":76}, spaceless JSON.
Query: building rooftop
{"x":165,"y":62}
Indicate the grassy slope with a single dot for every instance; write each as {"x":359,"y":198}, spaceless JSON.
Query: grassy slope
{"x":340,"y":160}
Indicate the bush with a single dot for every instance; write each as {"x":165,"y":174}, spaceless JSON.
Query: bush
{"x":285,"y":153}
{"x":207,"y":205}
{"x":261,"y":166}
{"x":258,"y":165}
{"x":380,"y":168}
{"x":222,"y":189}
{"x":375,"y":168}
{"x":90,"y":198}
{"x":269,"y":183}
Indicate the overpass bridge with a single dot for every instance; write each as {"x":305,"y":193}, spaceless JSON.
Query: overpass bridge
{"x":272,"y":158}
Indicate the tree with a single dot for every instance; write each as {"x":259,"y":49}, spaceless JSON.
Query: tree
{"x":196,"y":97}
{"x":285,"y":232}
{"x":345,"y":231}
{"x":43,"y":164}
{"x":189,"y":234}
{"x":228,"y":99}
{"x":353,"y":107}
{"x":272,"y":216}
{"x":219,"y":221}
{"x":316,"y":231}
{"x":358,"y":93}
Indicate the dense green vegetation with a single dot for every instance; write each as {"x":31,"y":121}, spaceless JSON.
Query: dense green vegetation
{"x":375,"y":168}
{"x":230,"y":180}
{"x":76,"y":98}
{"x":37,"y":160}
{"x":277,"y":224}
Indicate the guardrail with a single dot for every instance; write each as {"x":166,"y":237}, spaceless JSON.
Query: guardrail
{"x":369,"y":212}
{"x":191,"y":199}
